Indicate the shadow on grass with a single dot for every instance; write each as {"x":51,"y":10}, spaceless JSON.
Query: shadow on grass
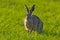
{"x":49,"y":33}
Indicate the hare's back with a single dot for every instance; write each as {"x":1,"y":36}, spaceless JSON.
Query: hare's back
{"x":36,"y":19}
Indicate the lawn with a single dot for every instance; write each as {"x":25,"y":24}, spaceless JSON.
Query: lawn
{"x":12,"y":14}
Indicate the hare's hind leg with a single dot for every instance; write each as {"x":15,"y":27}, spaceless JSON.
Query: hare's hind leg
{"x":40,"y":27}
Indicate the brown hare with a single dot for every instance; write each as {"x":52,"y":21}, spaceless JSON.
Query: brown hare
{"x":32,"y":22}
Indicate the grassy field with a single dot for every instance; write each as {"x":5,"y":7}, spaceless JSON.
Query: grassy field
{"x":12,"y":14}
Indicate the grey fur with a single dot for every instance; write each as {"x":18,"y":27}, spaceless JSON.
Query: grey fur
{"x":32,"y":22}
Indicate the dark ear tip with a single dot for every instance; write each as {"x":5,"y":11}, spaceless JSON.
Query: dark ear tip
{"x":34,"y":5}
{"x":25,"y":6}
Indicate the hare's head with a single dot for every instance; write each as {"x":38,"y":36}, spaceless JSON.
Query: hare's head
{"x":29,"y":12}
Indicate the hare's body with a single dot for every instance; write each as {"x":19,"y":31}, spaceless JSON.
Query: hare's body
{"x":33,"y":23}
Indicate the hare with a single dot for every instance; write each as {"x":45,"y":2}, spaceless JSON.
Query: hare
{"x":32,"y":22}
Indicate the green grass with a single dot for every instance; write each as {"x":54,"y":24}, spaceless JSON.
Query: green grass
{"x":12,"y":14}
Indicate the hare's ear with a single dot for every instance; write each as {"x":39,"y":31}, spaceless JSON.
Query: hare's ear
{"x":26,"y":8}
{"x":32,"y":9}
